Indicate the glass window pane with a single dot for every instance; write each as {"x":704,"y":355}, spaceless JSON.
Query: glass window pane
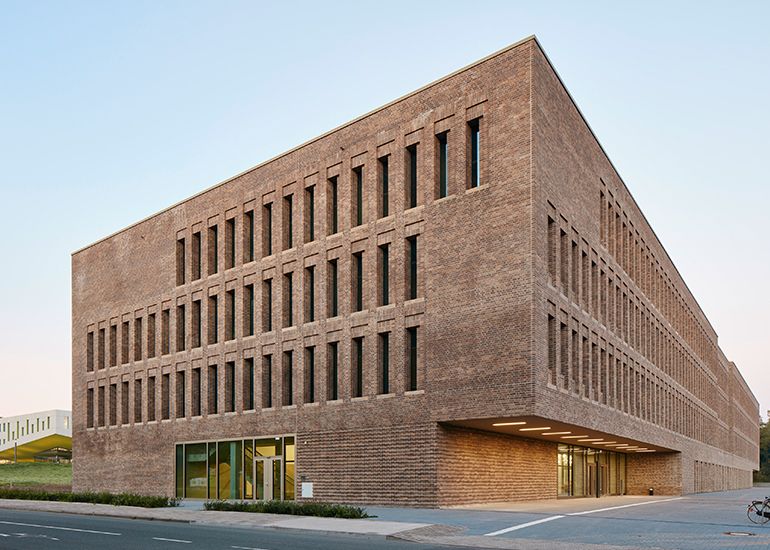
{"x":248,"y":465}
{"x":212,"y":470}
{"x":195,"y":470}
{"x":179,"y":471}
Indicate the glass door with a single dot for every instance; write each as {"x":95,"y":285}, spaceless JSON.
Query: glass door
{"x":268,"y":478}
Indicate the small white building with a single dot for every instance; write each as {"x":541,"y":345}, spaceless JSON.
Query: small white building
{"x":36,"y":437}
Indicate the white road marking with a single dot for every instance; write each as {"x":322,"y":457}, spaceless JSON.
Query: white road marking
{"x":522,"y":526}
{"x":247,"y":548}
{"x":551,"y":518}
{"x":624,"y":506}
{"x":172,"y":540}
{"x":61,"y":528}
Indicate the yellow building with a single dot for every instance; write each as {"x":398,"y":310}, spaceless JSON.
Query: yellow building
{"x":36,"y":437}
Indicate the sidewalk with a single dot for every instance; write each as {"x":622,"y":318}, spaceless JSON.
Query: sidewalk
{"x":235,"y":519}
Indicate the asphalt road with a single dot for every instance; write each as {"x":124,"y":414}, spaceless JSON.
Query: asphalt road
{"x":43,"y":530}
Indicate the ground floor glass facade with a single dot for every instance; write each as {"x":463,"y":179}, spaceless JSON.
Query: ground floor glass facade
{"x":253,"y":468}
{"x":584,"y":472}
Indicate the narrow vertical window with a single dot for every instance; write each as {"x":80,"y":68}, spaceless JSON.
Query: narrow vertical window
{"x":197,"y":254}
{"x":310,"y":294}
{"x":267,"y":305}
{"x":230,"y":315}
{"x":113,"y":345}
{"x":310,"y":214}
{"x":138,"y":401}
{"x":288,"y":379}
{"x":552,"y":348}
{"x":551,"y":253}
{"x":442,"y":168}
{"x":357,"y":277}
{"x":165,"y":332}
{"x":213,"y":401}
{"x":100,"y":409}
{"x":288,"y":222}
{"x":333,"y":283}
{"x":180,"y":262}
{"x":384,"y":269}
{"x":357,"y":204}
{"x":248,"y":236}
{"x":310,"y":374}
{"x":332,"y":375}
{"x":113,"y":404}
{"x":151,"y":393}
{"x":288,"y":300}
{"x":384,"y":362}
{"x":90,"y":408}
{"x":411,"y":359}
{"x":196,"y":391}
{"x":138,"y":339}
{"x":267,"y":381}
{"x":165,"y":397}
{"x":213,"y":249}
{"x":101,"y":344}
{"x":474,"y":144}
{"x":151,"y":330}
{"x":229,"y":386}
{"x":248,"y":384}
{"x":213,"y":319}
{"x":230,"y":243}
{"x":248,"y":310}
{"x":90,"y":351}
{"x":332,"y":206}
{"x":181,"y":395}
{"x":196,"y":324}
{"x":267,"y":229}
{"x":181,"y":325}
{"x":411,"y":267}
{"x":357,"y":370}
{"x":411,"y":176}
{"x":383,"y":176}
{"x":124,"y":402}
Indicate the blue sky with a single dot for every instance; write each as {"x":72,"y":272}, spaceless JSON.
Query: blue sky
{"x":111,"y":111}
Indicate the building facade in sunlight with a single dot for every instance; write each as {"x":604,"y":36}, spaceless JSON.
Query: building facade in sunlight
{"x":451,"y":299}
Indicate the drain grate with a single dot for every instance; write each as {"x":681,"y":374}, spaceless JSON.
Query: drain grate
{"x":739,"y":534}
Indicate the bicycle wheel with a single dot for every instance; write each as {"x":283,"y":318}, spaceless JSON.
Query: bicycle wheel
{"x":764,"y":511}
{"x":755,"y":512}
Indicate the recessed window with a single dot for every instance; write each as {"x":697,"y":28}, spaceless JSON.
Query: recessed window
{"x":90,"y":351}
{"x":230,"y":386}
{"x":442,"y":168}
{"x":383,"y":176}
{"x":101,"y":407}
{"x":230,"y":314}
{"x":230,"y":243}
{"x":196,"y":256}
{"x":213,"y":250}
{"x":357,"y":370}
{"x":332,"y":206}
{"x":181,"y":325}
{"x":213,"y":398}
{"x":124,"y":402}
{"x":196,"y":324}
{"x":357,"y":279}
{"x":310,"y":395}
{"x":288,"y":378}
{"x":333,"y":286}
{"x":138,"y":339}
{"x":248,"y":384}
{"x":288,"y":300}
{"x":383,"y":369}
{"x":138,"y":394}
{"x":151,"y":330}
{"x":310,"y":214}
{"x":357,"y":202}
{"x":310,"y":294}
{"x":411,"y":268}
{"x":384,"y":274}
{"x":213,"y":320}
{"x":101,"y":344}
{"x":267,"y":229}
{"x":332,"y":375}
{"x":113,"y":345}
{"x":411,"y":176}
{"x":196,"y":391}
{"x":165,"y":331}
{"x":90,"y":408}
{"x":248,"y":236}
{"x":248,"y":310}
{"x":474,"y":144}
{"x":411,"y":359}
{"x":151,"y":393}
{"x":267,"y":381}
{"x":180,"y":262}
{"x":165,"y":397}
{"x":181,"y":395}
{"x":288,"y":222}
{"x":113,"y":404}
{"x":267,"y":305}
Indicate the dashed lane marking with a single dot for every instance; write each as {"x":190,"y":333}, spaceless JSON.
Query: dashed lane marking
{"x":61,"y":528}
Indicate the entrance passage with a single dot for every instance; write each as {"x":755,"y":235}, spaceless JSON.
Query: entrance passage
{"x":585,"y":472}
{"x":241,"y":469}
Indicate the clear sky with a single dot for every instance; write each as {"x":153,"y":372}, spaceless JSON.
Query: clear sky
{"x":111,"y":111}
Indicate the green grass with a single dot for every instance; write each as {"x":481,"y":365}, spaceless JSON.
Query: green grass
{"x":319,"y":509}
{"x":119,"y":499}
{"x":29,"y":474}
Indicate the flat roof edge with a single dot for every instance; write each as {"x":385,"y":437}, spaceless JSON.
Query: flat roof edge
{"x":506,"y":49}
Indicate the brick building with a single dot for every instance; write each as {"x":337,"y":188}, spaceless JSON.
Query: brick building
{"x":451,"y":299}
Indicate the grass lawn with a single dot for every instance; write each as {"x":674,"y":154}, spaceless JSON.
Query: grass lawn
{"x":32,"y":474}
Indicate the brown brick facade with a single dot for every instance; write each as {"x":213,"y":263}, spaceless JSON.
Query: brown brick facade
{"x":541,"y":295}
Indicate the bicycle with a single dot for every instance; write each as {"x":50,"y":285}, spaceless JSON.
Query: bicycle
{"x":759,"y":511}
